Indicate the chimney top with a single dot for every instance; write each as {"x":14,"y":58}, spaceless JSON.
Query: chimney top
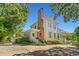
{"x":40,"y":13}
{"x":40,"y":9}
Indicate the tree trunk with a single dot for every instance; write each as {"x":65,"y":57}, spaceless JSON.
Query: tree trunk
{"x":13,"y":39}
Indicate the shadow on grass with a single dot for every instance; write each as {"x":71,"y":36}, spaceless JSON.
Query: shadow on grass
{"x":55,"y":51}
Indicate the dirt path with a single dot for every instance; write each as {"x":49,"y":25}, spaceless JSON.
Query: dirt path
{"x":17,"y":49}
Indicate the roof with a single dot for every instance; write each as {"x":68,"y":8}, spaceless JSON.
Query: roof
{"x":35,"y":24}
{"x":50,"y":18}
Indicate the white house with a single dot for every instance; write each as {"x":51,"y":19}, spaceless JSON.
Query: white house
{"x":44,"y":29}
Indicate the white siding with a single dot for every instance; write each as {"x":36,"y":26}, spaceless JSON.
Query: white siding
{"x":49,"y":27}
{"x":33,"y":38}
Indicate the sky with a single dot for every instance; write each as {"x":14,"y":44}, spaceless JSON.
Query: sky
{"x":33,"y":17}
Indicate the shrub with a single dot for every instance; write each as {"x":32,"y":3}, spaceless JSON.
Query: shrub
{"x":40,"y":44}
{"x":65,"y":42}
{"x":53,"y":42}
{"x":23,"y":41}
{"x":76,"y":43}
{"x":77,"y":34}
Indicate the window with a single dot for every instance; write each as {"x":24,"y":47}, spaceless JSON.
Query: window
{"x":33,"y":34}
{"x":50,"y":34}
{"x":54,"y":35}
{"x":54,"y":26}
{"x":58,"y":36}
{"x":49,"y":24}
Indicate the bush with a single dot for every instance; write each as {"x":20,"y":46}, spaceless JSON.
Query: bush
{"x":40,"y":44}
{"x":53,"y":42}
{"x":65,"y":42}
{"x":76,"y":43}
{"x":23,"y":41}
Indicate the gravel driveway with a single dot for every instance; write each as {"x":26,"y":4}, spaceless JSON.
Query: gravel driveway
{"x":48,"y":50}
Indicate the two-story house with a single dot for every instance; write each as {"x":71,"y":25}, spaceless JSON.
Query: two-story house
{"x":44,"y":29}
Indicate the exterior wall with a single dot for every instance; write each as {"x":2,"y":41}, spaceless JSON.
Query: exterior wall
{"x":49,"y":25}
{"x":29,"y":34}
{"x":33,"y":35}
{"x":61,"y":36}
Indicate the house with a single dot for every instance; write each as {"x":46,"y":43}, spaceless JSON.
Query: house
{"x":44,"y":29}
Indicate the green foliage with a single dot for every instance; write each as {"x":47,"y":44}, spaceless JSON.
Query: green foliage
{"x":12,"y":18}
{"x":24,"y":41}
{"x":53,"y":42}
{"x":65,"y":42}
{"x":76,"y":44}
{"x":40,"y":44}
{"x":69,"y":36}
{"x":68,"y":10}
{"x":77,"y":34}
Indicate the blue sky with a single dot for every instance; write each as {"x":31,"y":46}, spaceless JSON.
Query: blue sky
{"x":33,"y":15}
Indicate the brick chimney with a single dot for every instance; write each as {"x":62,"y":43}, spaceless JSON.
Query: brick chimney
{"x":40,"y":25}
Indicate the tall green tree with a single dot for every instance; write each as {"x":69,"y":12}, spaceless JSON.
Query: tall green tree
{"x":67,"y":10}
{"x":12,"y":18}
{"x":70,"y":36}
{"x":77,"y":34}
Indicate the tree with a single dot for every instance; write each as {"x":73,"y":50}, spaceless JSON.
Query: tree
{"x":67,"y":10}
{"x":70,"y":36}
{"x":77,"y":33}
{"x":12,"y":18}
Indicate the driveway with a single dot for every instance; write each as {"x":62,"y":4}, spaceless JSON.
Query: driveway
{"x":47,"y":50}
